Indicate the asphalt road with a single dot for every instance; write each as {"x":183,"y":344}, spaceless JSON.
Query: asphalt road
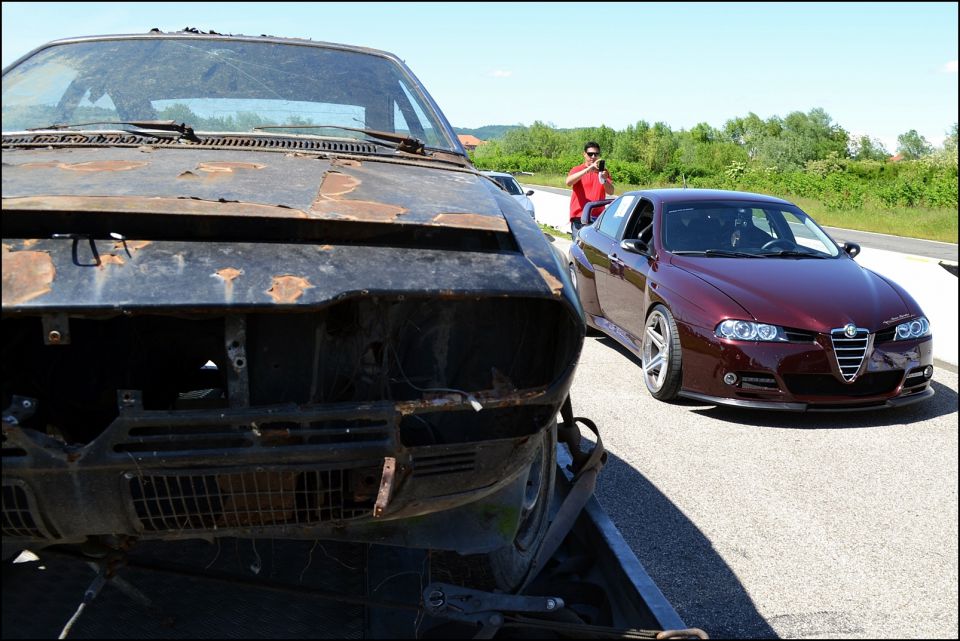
{"x":765,"y":524}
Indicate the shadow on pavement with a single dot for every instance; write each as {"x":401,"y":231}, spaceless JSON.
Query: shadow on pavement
{"x":693,"y":577}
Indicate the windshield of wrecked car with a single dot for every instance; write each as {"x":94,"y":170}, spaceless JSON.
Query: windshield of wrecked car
{"x":221,"y":85}
{"x":743,"y":230}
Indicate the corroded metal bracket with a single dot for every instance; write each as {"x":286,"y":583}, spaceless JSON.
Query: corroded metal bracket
{"x":386,"y":486}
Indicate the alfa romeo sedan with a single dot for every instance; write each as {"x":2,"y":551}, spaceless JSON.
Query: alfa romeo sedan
{"x":254,"y":287}
{"x":742,"y":299}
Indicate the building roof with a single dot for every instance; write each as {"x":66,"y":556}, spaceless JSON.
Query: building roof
{"x":470,"y":141}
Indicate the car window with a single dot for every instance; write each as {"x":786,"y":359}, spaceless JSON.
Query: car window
{"x":221,"y":85}
{"x":616,"y":214}
{"x":640,"y":223}
{"x":509,"y":185}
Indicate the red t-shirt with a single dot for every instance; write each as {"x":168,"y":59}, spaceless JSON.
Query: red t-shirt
{"x":585,"y":190}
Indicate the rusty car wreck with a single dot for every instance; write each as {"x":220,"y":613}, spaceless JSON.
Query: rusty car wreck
{"x":254,"y":287}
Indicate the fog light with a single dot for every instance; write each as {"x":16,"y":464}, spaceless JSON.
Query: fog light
{"x":928,"y":371}
{"x":730,"y":378}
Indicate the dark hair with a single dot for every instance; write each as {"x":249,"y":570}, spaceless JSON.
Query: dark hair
{"x":591,"y":144}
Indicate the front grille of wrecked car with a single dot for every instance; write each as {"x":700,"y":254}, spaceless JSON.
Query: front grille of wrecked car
{"x":234,"y":141}
{"x":206,"y":501}
{"x":20,"y":515}
{"x":266,"y":435}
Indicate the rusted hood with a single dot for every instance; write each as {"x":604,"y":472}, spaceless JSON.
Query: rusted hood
{"x":259,"y":183}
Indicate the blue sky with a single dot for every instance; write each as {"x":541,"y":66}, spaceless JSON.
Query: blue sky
{"x":878,"y":69}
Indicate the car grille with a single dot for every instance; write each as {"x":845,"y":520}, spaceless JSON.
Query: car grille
{"x":850,"y":351}
{"x":252,"y":499}
{"x":435,"y":465}
{"x":826,"y":385}
{"x":758,"y":380}
{"x":20,"y":514}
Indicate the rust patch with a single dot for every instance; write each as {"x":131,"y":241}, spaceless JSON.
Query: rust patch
{"x":386,"y":486}
{"x":325,"y":248}
{"x":555,"y":285}
{"x":111,"y":259}
{"x":228,"y":273}
{"x":104,"y":165}
{"x":287,"y":288}
{"x":30,"y":242}
{"x":337,"y":184}
{"x":153,"y":205}
{"x":362,"y":210}
{"x":471,"y":221}
{"x":133,"y":245}
{"x":26,"y":275}
{"x":38,"y":165}
{"x":227,"y":167}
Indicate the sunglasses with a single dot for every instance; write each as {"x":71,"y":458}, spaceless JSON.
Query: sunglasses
{"x":593,"y":153}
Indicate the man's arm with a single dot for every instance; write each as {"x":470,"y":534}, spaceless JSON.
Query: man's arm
{"x":577,"y":175}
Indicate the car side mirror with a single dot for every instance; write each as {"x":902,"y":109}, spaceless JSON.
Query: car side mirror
{"x":635,"y":246}
{"x":852,"y":249}
{"x":529,"y":192}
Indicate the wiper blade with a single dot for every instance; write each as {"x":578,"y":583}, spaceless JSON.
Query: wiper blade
{"x":163,"y":125}
{"x":723,"y":253}
{"x":406,"y":144}
{"x":791,"y":253}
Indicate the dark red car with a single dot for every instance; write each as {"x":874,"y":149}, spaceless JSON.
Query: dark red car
{"x":742,"y":299}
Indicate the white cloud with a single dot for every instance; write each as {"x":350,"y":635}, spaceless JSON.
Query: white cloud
{"x":499,"y":73}
{"x":950,"y":67}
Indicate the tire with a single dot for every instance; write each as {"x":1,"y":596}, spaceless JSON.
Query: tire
{"x":660,"y":355}
{"x":509,"y":565}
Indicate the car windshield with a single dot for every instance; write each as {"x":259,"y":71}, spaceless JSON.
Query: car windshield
{"x":220,"y":84}
{"x":509,"y":185}
{"x":742,"y":229}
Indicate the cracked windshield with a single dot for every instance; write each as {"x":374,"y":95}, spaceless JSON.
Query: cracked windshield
{"x":218,"y":87}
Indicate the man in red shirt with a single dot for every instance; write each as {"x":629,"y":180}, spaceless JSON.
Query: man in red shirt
{"x":589,"y":183}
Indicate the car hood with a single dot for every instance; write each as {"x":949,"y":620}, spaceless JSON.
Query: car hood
{"x":441,"y":229}
{"x":813,"y":294}
{"x":256,"y":183}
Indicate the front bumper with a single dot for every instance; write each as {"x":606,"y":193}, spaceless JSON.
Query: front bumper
{"x":804,"y":376}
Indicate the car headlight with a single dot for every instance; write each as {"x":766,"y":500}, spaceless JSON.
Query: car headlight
{"x":913,"y":329}
{"x":741,"y":330}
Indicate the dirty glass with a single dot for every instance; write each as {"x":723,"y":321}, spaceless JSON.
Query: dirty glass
{"x":221,"y":85}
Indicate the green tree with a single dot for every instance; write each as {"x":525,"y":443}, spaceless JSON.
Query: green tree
{"x":867,"y":148}
{"x":912,"y":145}
{"x":950,"y":144}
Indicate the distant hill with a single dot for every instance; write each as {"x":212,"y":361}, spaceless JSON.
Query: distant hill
{"x":487,"y":132}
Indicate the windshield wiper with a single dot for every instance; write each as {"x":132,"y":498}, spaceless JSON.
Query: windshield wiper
{"x":791,"y":252}
{"x":406,"y":144}
{"x":724,"y":253}
{"x":183,"y":129}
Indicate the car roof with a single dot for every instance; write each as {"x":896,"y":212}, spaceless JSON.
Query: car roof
{"x":686,"y":195}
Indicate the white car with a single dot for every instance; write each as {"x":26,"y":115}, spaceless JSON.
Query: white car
{"x":512,"y":187}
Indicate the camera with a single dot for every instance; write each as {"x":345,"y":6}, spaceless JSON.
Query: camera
{"x":602,"y":165}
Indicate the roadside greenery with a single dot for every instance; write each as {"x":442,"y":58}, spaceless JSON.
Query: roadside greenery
{"x":804,"y":157}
